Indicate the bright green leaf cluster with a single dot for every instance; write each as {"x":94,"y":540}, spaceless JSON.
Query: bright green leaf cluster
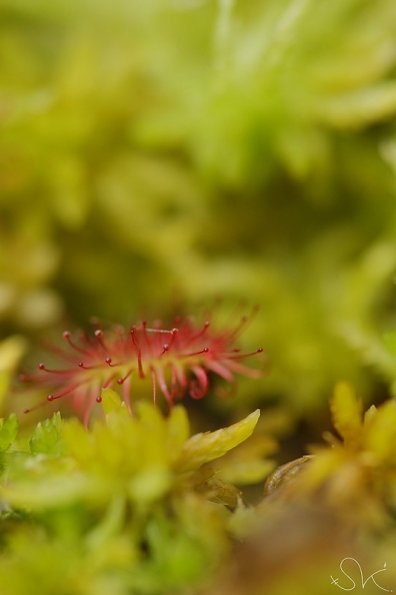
{"x":8,"y":432}
{"x":46,"y":437}
{"x":131,"y":503}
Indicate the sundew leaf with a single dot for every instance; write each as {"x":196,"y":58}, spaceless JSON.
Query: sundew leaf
{"x":46,"y":437}
{"x":205,"y":447}
{"x":346,"y":411}
{"x":8,"y":432}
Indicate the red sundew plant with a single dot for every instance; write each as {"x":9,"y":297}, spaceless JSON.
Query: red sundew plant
{"x":177,"y":361}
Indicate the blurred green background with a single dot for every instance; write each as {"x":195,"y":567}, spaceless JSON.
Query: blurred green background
{"x":157,"y":155}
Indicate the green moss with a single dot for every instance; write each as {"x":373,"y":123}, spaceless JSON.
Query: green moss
{"x":155,"y":156}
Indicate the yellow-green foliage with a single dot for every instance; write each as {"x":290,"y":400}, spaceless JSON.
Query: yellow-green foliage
{"x":154,"y":156}
{"x":99,"y":498}
{"x":201,"y":148}
{"x":358,"y":472}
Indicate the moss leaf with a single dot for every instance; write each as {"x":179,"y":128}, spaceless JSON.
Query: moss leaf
{"x":346,"y":411}
{"x":8,"y":432}
{"x":204,"y":447}
{"x":46,"y":437}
